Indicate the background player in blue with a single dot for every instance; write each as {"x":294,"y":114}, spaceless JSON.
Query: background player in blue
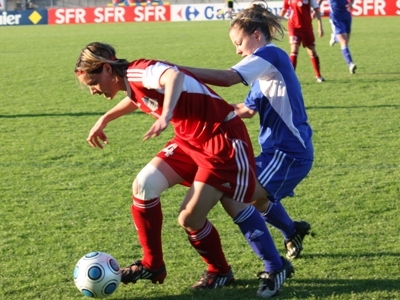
{"x":340,"y":18}
{"x":285,"y":136}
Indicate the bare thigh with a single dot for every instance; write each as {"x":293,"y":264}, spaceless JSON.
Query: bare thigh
{"x":294,"y":47}
{"x":199,"y":200}
{"x":343,"y":39}
{"x":311,"y":51}
{"x":167,"y":171}
{"x":172,"y":177}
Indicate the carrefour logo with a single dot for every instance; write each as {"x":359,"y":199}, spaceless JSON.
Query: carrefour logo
{"x":191,"y":13}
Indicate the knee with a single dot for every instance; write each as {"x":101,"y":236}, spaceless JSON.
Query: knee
{"x":184,"y":219}
{"x":189,"y":221}
{"x":149,"y":183}
{"x":262,"y":204}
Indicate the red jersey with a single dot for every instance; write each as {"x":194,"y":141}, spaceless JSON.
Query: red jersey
{"x":199,"y":111}
{"x":300,"y":13}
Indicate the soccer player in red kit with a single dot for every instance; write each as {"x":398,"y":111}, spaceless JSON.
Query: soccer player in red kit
{"x":301,"y":30}
{"x":211,"y":153}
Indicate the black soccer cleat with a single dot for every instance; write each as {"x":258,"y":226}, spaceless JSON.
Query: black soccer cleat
{"x":214,"y":280}
{"x":271,"y":283}
{"x":136,"y":271}
{"x":294,"y":245}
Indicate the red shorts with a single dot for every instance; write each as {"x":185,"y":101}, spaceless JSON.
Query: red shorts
{"x":225,"y":161}
{"x":301,"y":37}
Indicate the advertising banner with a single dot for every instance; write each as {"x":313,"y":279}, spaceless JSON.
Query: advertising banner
{"x":211,"y":11}
{"x":166,"y":13}
{"x":215,"y":11}
{"x":369,"y":8}
{"x":119,"y":14}
{"x":23,"y":17}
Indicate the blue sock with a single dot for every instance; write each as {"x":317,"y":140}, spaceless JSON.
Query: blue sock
{"x":277,"y":216}
{"x":257,"y":235}
{"x":346,"y":55}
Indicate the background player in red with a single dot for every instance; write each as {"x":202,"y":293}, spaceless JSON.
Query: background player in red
{"x":301,"y":30}
{"x":211,"y":152}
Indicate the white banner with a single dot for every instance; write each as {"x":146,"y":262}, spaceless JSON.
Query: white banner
{"x":212,"y":11}
{"x":2,"y":7}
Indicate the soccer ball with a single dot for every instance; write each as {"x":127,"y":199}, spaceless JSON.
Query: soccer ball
{"x":97,"y":275}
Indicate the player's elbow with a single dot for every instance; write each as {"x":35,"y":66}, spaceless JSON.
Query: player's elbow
{"x":231,"y":78}
{"x":251,"y":113}
{"x":248,"y":114}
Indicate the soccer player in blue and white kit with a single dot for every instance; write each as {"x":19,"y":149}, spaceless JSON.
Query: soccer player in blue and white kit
{"x":285,"y":136}
{"x":340,"y":18}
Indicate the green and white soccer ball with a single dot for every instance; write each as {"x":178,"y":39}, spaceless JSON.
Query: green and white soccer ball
{"x":97,"y":275}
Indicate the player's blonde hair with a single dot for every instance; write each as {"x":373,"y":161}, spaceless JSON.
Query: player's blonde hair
{"x":95,"y":55}
{"x":259,"y":17}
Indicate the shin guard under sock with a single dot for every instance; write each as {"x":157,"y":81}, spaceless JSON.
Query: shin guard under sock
{"x":147,"y":216}
{"x":207,"y":243}
{"x":257,"y":235}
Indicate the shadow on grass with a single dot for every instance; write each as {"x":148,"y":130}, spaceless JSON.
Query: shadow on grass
{"x":344,"y":288}
{"x":84,"y":114}
{"x":67,"y":114}
{"x":78,"y":114}
{"x":292,"y":289}
{"x":354,"y":106}
{"x":395,"y":255}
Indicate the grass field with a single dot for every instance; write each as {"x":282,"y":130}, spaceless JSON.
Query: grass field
{"x":62,"y":199}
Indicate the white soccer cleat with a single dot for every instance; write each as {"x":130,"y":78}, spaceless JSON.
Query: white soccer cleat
{"x":352,"y":68}
{"x":332,"y":41}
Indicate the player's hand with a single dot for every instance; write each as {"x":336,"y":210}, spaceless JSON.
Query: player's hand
{"x":155,"y":130}
{"x":96,"y":134}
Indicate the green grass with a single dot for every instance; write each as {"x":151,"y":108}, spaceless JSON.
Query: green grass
{"x":62,"y":199}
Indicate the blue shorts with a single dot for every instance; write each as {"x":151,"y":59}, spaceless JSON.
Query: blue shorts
{"x":279,"y":174}
{"x":341,"y":26}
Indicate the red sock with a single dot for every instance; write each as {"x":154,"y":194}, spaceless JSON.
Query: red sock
{"x":147,"y":216}
{"x":208,"y":244}
{"x":315,"y":63}
{"x":293,"y":59}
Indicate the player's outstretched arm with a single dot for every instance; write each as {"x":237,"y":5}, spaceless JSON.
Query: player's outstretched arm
{"x":215,"y":77}
{"x":172,"y":82}
{"x":243,"y":111}
{"x":97,"y":134}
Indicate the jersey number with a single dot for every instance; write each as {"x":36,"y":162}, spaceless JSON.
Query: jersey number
{"x":169,"y":150}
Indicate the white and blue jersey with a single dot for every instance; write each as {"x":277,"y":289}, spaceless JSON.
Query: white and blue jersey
{"x":276,"y":95}
{"x":338,"y":9}
{"x":339,"y":15}
{"x":285,"y":135}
